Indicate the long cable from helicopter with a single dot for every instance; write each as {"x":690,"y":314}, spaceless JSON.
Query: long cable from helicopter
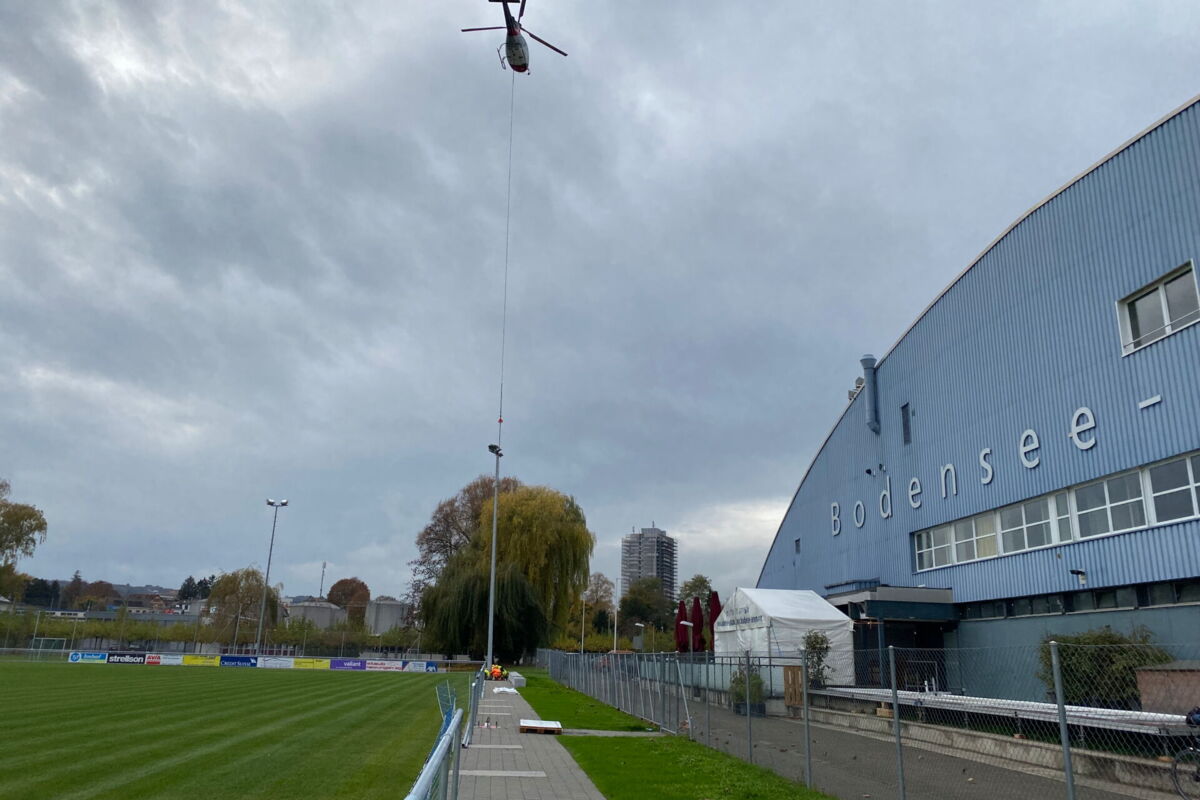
{"x":507,"y":228}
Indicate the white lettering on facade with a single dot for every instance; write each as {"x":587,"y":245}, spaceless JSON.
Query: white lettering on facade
{"x":948,"y":471}
{"x":914,"y":493}
{"x":1082,"y":421}
{"x":988,"y":472}
{"x":1030,"y":444}
{"x":1081,"y":434}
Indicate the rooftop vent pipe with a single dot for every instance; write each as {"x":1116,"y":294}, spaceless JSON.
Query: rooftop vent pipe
{"x":871,"y":406}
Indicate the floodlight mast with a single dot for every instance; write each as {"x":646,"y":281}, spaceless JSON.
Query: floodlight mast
{"x":494,"y":449}
{"x":262,"y":606}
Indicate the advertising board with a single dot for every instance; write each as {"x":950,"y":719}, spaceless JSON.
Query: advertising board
{"x":311,"y":663}
{"x":420,"y":666}
{"x":384,"y":666}
{"x":239,"y":661}
{"x":127,"y":658}
{"x":347,"y":663}
{"x":276,"y":662}
{"x":87,"y":658}
{"x":201,"y":661}
{"x":164,"y":659}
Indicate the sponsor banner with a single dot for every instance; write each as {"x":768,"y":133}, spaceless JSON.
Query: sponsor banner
{"x":127,"y":658}
{"x":420,"y":666}
{"x":87,"y":658}
{"x":201,"y":661}
{"x":311,"y":663}
{"x":164,"y":660}
{"x":276,"y":662}
{"x":385,"y":666}
{"x":347,"y":663}
{"x":239,"y":661}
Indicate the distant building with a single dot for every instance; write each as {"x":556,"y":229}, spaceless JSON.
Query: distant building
{"x":649,"y":554}
{"x":384,"y":615}
{"x":322,"y":614}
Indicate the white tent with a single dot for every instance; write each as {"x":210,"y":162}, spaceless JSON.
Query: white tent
{"x":775,"y":622}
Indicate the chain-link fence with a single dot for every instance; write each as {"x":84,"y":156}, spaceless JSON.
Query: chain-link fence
{"x":439,"y":777}
{"x":1082,"y":722}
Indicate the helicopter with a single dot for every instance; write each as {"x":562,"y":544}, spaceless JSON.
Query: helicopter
{"x":514,"y":45}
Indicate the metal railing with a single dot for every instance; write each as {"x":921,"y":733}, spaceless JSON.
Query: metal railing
{"x":1056,"y":720}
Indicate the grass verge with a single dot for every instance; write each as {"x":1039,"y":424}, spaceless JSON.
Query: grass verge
{"x":109,"y":731}
{"x":554,"y":701}
{"x":673,"y":768}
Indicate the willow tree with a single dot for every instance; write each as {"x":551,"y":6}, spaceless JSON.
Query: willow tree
{"x":455,"y":611}
{"x":544,"y":533}
{"x":542,"y":566}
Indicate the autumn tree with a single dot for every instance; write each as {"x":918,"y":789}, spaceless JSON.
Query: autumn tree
{"x":353,"y":595}
{"x":696,"y":586}
{"x":454,"y":523}
{"x":73,"y":591}
{"x":100,"y":594}
{"x":644,"y":602}
{"x":599,"y":593}
{"x":237,"y":596}
{"x":22,"y":527}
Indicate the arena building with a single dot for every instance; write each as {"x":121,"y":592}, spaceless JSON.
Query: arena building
{"x":1025,"y":460}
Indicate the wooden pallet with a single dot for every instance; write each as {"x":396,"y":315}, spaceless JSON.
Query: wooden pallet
{"x":540,"y":726}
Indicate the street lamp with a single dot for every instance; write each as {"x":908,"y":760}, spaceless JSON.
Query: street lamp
{"x":494,"y":449}
{"x":262,"y":607}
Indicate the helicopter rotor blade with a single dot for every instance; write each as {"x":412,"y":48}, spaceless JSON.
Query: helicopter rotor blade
{"x":521,"y":11}
{"x":493,"y":28}
{"x":540,"y":40}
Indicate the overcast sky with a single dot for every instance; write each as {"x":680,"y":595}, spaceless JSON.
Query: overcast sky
{"x":256,"y":249}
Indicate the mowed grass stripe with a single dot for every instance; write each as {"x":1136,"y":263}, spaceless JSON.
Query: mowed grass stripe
{"x":149,"y":743}
{"x":172,"y":716}
{"x":320,"y":729}
{"x":126,"y":772}
{"x":36,"y":730}
{"x":273,"y":746}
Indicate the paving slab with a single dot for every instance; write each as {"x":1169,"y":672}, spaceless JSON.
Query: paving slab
{"x":504,"y":764}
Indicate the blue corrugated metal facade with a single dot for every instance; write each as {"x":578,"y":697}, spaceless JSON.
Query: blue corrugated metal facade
{"x":1020,"y":341}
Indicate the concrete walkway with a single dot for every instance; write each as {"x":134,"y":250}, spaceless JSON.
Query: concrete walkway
{"x":503,"y":764}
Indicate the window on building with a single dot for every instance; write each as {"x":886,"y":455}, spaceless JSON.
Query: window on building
{"x":1162,"y":308}
{"x":1025,"y":525}
{"x":906,"y":423}
{"x":934,"y":548}
{"x":1062,"y":517}
{"x":1083,"y":601}
{"x":1160,"y":594}
{"x":1111,"y":505}
{"x":975,"y":538}
{"x":1173,"y":488}
{"x":1188,"y":592}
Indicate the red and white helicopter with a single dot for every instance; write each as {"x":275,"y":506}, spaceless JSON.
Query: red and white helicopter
{"x":514,"y":45}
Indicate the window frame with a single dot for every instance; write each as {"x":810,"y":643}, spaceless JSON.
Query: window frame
{"x":1158,"y":286}
{"x":1063,"y":523}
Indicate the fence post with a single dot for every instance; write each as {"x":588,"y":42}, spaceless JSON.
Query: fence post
{"x":896,"y":720}
{"x":456,"y":764}
{"x":1064,"y":733}
{"x":749,"y":716}
{"x":707,"y":702}
{"x":662,"y":690}
{"x":807,"y":729}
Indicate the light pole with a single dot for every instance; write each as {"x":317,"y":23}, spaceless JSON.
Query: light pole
{"x":494,"y":449}
{"x":582,"y":621}
{"x":262,"y":606}
{"x":616,"y":607}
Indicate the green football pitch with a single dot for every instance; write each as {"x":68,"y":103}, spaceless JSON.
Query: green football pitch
{"x":120,"y":732}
